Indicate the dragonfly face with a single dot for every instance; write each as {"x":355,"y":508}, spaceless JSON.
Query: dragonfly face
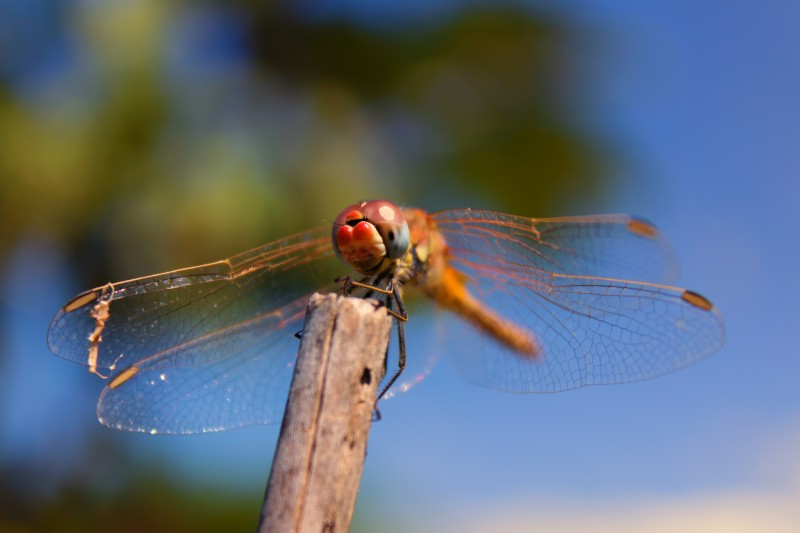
{"x":370,"y":236}
{"x":537,"y":305}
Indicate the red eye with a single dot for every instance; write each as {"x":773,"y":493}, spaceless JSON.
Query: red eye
{"x":344,"y":236}
{"x":354,"y":215}
{"x":363,"y":231}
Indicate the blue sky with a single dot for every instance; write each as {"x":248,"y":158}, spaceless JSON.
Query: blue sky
{"x":705,"y":95}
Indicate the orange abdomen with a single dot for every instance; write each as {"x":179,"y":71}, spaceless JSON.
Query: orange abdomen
{"x":449,"y":291}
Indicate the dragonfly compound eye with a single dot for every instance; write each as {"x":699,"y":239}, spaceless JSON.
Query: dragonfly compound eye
{"x":391,"y":225}
{"x":367,"y":233}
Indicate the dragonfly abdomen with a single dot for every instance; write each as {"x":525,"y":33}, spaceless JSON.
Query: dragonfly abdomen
{"x":450,"y":292}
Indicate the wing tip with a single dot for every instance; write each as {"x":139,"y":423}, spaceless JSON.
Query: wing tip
{"x":80,"y":301}
{"x":643,"y":228}
{"x":697,"y":300}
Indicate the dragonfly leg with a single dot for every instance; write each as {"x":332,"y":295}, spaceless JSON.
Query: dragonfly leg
{"x":368,"y":283}
{"x":401,"y":307}
{"x":393,"y":293}
{"x":376,"y":412}
{"x":401,"y":340}
{"x":345,"y":284}
{"x":371,"y":285}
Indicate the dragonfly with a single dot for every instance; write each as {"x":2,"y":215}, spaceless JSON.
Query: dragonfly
{"x":531,"y":305}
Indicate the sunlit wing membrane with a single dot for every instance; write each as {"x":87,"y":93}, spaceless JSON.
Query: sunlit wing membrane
{"x":211,"y":332}
{"x":211,"y":347}
{"x":592,"y":329}
{"x":609,"y":246}
{"x":245,"y":387}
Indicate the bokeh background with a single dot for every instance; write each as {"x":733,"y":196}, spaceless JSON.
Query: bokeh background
{"x":140,"y":136}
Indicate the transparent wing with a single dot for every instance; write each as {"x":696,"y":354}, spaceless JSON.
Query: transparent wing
{"x":607,"y":246}
{"x":203,"y":348}
{"x":558,"y":280}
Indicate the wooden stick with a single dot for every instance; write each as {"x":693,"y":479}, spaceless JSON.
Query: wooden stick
{"x":322,"y":445}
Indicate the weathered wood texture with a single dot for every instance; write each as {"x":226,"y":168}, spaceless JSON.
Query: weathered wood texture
{"x":317,"y":468}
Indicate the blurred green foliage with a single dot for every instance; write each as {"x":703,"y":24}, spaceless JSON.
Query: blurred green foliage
{"x":144,"y":503}
{"x":175,"y":132}
{"x":165,"y":134}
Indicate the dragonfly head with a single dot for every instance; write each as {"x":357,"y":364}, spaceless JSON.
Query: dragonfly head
{"x":367,"y":234}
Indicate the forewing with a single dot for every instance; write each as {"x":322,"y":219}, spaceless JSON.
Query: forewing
{"x":591,"y":329}
{"x":202,"y":348}
{"x":606,"y":246}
